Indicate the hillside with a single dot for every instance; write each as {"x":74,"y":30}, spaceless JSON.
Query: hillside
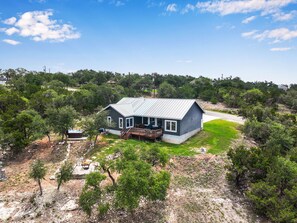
{"x":198,"y":191}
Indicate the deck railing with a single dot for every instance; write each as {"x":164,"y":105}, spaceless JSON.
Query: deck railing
{"x":142,"y":132}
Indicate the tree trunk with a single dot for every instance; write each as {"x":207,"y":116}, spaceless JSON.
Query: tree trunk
{"x":40,"y":188}
{"x":59,"y":185}
{"x":96,"y":138}
{"x":49,"y":137}
{"x":111,"y":177}
{"x":62,"y":137}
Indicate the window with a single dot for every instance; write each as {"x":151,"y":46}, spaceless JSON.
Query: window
{"x":170,"y":126}
{"x":153,"y":121}
{"x":148,"y":121}
{"x":109,"y":120}
{"x":129,"y":122}
{"x":145,"y":121}
{"x":121,"y":123}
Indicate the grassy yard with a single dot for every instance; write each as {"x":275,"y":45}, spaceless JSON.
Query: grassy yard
{"x":216,"y":137}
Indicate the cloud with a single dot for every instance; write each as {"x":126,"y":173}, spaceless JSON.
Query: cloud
{"x":280,"y":49}
{"x":277,"y":35}
{"x":10,"y":21}
{"x":171,"y":7}
{"x":40,"y":27}
{"x":38,"y":1}
{"x":226,"y":7}
{"x":249,"y":19}
{"x":11,"y":31}
{"x":119,"y":3}
{"x":188,"y":8}
{"x":280,"y":16}
{"x":116,"y":3}
{"x":11,"y":42}
{"x":249,"y":34}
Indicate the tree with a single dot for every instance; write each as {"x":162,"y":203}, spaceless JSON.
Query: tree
{"x":166,"y":90}
{"x":133,"y":184}
{"x":154,"y":155}
{"x":91,"y":193}
{"x":253,"y":96}
{"x":61,"y":119}
{"x":64,"y":174}
{"x":139,"y":180}
{"x":26,"y":127}
{"x":37,"y":172}
{"x":93,"y":123}
{"x":186,"y":91}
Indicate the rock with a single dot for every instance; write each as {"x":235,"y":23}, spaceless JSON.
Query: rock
{"x":203,"y":150}
{"x":71,"y":205}
{"x":52,"y":177}
{"x":6,"y":212}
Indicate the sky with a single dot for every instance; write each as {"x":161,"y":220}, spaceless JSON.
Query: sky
{"x":255,"y":40}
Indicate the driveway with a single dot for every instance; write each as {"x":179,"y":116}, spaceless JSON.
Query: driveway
{"x":211,"y":115}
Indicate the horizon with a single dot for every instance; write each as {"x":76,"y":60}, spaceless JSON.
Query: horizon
{"x":142,"y":74}
{"x":255,"y":41}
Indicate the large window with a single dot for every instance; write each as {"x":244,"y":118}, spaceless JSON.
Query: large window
{"x":129,"y":122}
{"x":121,"y":123}
{"x":145,"y":121}
{"x":109,"y":120}
{"x":170,"y":126}
{"x":148,"y":121}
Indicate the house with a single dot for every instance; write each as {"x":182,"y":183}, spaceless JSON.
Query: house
{"x":283,"y":87}
{"x":172,"y":120}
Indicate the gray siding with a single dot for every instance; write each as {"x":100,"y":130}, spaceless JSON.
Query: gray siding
{"x":192,"y":120}
{"x":115,"y":118}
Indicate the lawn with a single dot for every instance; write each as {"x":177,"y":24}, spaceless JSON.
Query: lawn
{"x":216,"y":137}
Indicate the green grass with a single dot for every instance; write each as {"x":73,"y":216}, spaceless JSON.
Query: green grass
{"x":216,"y":137}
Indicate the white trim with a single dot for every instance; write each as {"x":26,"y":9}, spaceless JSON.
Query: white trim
{"x":170,"y":129}
{"x":109,"y":120}
{"x":128,"y":127}
{"x":179,"y":139}
{"x":156,"y":122}
{"x":121,"y":126}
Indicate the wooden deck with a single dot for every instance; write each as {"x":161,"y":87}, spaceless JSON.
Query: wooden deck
{"x":142,"y":133}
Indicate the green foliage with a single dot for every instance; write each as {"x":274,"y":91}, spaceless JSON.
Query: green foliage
{"x":87,"y":199}
{"x":269,"y":171}
{"x":61,"y":119}
{"x":253,"y":96}
{"x":103,"y":209}
{"x":64,"y":174}
{"x":94,"y":179}
{"x":159,"y":183}
{"x":26,"y":127}
{"x":91,"y":193}
{"x":37,"y":172}
{"x":93,"y":123}
{"x":139,"y":180}
{"x":154,"y":155}
{"x":166,"y":90}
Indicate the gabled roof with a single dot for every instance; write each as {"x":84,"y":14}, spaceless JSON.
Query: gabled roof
{"x":154,"y":107}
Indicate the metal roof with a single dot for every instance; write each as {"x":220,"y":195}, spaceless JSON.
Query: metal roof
{"x":154,"y":107}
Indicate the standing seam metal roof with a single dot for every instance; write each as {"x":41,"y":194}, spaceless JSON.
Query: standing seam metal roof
{"x":154,"y":107}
